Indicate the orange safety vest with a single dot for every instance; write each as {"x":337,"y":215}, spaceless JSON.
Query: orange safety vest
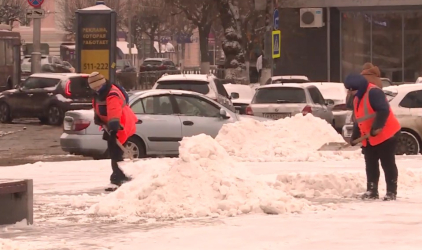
{"x":365,"y":116}
{"x":117,"y":109}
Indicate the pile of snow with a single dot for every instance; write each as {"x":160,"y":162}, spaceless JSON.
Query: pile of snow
{"x":292,"y":139}
{"x":204,"y":181}
{"x":6,"y":244}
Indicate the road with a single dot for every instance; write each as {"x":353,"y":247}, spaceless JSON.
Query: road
{"x":27,"y":141}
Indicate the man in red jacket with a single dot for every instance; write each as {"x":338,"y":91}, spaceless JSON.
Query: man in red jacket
{"x":113,"y":113}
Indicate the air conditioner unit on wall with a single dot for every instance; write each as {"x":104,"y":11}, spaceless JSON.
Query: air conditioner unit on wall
{"x":311,"y":18}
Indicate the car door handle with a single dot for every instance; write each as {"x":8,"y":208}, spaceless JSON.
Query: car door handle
{"x":188,"y":123}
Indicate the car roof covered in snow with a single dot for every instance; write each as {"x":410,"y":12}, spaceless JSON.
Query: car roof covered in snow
{"x":289,"y":77}
{"x":157,"y":59}
{"x":403,"y":88}
{"x":57,"y":75}
{"x":185,"y":77}
{"x":285,"y":85}
{"x":153,"y":92}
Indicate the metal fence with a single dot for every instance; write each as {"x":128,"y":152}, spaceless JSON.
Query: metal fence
{"x":145,"y":80}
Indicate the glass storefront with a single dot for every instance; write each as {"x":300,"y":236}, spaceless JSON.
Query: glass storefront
{"x":390,"y":40}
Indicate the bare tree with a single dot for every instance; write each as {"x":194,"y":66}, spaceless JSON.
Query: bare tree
{"x":13,"y":11}
{"x":152,"y":19}
{"x":233,"y":42}
{"x":202,"y":14}
{"x":252,"y":29}
{"x":68,"y":8}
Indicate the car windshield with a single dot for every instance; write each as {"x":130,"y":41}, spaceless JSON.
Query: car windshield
{"x":195,"y":86}
{"x":280,"y":95}
{"x":152,"y":62}
{"x":390,"y":95}
{"x":293,"y":80}
{"x":333,"y":92}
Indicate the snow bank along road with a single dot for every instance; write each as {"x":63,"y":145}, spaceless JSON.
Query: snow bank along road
{"x":216,"y":196}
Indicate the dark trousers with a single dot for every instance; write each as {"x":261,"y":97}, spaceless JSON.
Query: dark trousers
{"x":384,"y":152}
{"x":116,"y":155}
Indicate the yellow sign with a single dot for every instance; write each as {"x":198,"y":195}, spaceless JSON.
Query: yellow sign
{"x":276,"y":44}
{"x":95,"y":60}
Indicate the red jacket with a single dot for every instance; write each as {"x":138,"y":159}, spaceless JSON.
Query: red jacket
{"x":115,"y":108}
{"x":365,"y":117}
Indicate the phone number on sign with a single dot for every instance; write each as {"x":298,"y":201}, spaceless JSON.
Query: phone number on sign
{"x":95,"y":66}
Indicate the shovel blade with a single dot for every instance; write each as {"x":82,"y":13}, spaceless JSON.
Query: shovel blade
{"x":337,"y":146}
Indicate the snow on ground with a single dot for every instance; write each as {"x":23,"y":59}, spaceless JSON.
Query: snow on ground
{"x":218,"y":200}
{"x":292,"y":139}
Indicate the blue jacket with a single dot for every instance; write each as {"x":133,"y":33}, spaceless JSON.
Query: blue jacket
{"x":377,"y":100}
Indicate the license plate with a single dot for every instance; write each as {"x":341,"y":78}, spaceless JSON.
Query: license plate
{"x":276,"y":116}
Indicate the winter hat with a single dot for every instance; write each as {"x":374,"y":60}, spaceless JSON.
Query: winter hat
{"x":355,"y":82}
{"x":96,"y":80}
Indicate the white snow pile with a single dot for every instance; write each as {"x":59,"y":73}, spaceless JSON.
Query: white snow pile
{"x":291,"y":139}
{"x":6,"y":244}
{"x":203,"y":182}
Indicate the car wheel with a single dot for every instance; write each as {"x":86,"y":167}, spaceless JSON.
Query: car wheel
{"x":43,"y":120}
{"x":136,"y":147}
{"x":5,"y":116}
{"x":407,"y":144}
{"x":55,"y":116}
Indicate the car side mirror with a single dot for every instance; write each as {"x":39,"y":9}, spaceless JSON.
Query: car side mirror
{"x":234,"y":95}
{"x":223,"y":114}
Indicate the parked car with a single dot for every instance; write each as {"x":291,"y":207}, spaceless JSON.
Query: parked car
{"x":406,"y":103}
{"x":157,"y":64}
{"x":207,"y":85}
{"x":47,"y":97}
{"x":241,"y":96}
{"x":49,"y":64}
{"x":287,"y":79}
{"x":335,"y":94}
{"x":124,"y":65}
{"x":164,"y":118}
{"x":419,"y":80}
{"x":277,"y":101}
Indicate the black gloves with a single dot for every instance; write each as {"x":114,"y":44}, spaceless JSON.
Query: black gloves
{"x":374,"y":132}
{"x":114,"y":126}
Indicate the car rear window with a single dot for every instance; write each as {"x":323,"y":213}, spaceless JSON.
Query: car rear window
{"x":152,"y":62}
{"x":290,"y":81}
{"x":280,"y":95}
{"x":79,"y":86}
{"x":195,"y":86}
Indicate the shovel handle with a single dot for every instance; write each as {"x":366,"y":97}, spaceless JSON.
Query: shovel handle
{"x":119,"y":144}
{"x":360,"y":139}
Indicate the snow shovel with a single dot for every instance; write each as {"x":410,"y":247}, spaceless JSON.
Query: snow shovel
{"x":125,"y":150}
{"x":340,"y":146}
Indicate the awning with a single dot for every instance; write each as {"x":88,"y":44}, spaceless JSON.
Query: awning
{"x":123,"y":46}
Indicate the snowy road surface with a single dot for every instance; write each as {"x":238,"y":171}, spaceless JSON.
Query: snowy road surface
{"x":65,"y":191}
{"x":255,"y":186}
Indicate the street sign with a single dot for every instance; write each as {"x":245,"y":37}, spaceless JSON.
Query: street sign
{"x":35,"y":13}
{"x":276,"y":20}
{"x":36,"y":3}
{"x":276,"y":44}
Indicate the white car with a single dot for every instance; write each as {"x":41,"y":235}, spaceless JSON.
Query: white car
{"x":335,"y":93}
{"x":287,"y":79}
{"x":241,"y":95}
{"x":277,"y":101}
{"x":406,"y":103}
{"x":164,"y":118}
{"x":419,"y":80}
{"x":207,"y":85}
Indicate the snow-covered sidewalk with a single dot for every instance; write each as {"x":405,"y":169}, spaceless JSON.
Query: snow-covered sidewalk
{"x":65,"y":192}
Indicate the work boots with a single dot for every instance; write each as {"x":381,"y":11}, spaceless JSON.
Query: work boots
{"x":391,"y":191}
{"x":371,"y":191}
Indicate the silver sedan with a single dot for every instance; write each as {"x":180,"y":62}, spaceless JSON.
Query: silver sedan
{"x":164,"y":118}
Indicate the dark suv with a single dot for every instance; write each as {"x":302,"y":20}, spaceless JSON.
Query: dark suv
{"x":46,"y":97}
{"x":157,"y":64}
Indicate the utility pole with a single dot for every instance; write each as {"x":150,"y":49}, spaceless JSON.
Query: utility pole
{"x":36,"y":53}
{"x":130,"y":29}
{"x":267,"y":60}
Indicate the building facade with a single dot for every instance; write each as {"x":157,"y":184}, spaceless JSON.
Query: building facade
{"x":387,"y":33}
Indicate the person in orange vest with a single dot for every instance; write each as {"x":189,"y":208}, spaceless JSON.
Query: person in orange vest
{"x":374,"y":117}
{"x":114,"y":115}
